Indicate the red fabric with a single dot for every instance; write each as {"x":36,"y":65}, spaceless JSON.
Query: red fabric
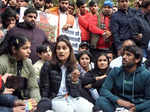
{"x":0,"y":82}
{"x":93,"y":22}
{"x":83,"y":23}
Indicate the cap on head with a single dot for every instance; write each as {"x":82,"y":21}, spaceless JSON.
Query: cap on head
{"x":84,"y":44}
{"x":108,"y":3}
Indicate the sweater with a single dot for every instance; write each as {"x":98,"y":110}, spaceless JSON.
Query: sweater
{"x":133,"y":87}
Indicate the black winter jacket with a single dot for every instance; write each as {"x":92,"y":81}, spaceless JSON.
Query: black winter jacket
{"x":50,"y":80}
{"x":119,"y":26}
{"x":90,"y":78}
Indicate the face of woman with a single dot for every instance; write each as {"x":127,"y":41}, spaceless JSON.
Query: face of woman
{"x":84,"y":61}
{"x":62,"y":51}
{"x":102,"y":62}
{"x":24,"y":51}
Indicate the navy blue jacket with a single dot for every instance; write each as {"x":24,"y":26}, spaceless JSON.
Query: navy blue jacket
{"x":119,"y":26}
{"x":141,"y":24}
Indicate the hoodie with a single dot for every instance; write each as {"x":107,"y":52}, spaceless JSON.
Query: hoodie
{"x":133,"y":87}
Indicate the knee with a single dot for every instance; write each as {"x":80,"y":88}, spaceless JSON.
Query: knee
{"x":44,"y":105}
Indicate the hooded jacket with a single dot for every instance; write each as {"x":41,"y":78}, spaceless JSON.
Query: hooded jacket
{"x":133,"y":87}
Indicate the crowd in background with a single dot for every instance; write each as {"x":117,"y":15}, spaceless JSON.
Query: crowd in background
{"x":109,"y":73}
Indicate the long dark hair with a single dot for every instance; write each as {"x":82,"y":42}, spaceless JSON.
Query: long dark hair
{"x":16,"y":41}
{"x":71,"y":62}
{"x":96,"y":66}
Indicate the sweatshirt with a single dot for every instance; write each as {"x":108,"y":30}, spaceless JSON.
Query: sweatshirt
{"x":133,"y":87}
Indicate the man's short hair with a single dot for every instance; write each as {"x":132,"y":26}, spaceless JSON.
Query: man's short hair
{"x":145,"y":3}
{"x":30,"y":10}
{"x":79,"y":3}
{"x":92,"y":3}
{"x":136,"y":51}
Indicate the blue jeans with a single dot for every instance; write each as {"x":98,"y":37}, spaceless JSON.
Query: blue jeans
{"x":7,"y":102}
{"x":5,"y":109}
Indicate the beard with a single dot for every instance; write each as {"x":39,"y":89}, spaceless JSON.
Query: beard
{"x":63,"y":9}
{"x":37,"y":6}
{"x":128,"y":65}
{"x":30,"y":25}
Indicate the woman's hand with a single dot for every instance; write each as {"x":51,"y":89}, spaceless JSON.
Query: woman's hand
{"x":88,"y":86}
{"x":101,"y":77}
{"x":75,"y":75}
{"x":19,"y":103}
{"x":19,"y":109}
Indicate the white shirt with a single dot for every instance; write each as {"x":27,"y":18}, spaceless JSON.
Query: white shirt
{"x":117,"y":62}
{"x":62,"y":90}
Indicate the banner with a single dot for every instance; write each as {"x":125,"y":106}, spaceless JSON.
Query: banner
{"x":74,"y":37}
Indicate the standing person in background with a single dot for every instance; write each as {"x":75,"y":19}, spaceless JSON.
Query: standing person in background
{"x":140,"y":27}
{"x":65,"y":20}
{"x":120,"y":23}
{"x":29,"y":28}
{"x":98,"y":25}
{"x":83,"y":14}
{"x":39,"y":4}
{"x":9,"y":20}
{"x":48,"y":4}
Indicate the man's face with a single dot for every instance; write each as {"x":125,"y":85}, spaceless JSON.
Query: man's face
{"x":4,"y":3}
{"x":107,"y":10}
{"x":12,"y":3}
{"x":22,"y":3}
{"x":38,"y":4}
{"x":128,"y":60}
{"x":30,"y":19}
{"x":63,"y":5}
{"x":148,"y":10}
{"x":123,"y":4}
{"x":82,"y":9}
{"x":71,"y":9}
{"x":48,"y":5}
{"x":94,"y":9}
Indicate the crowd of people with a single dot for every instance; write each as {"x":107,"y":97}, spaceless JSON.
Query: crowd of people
{"x":110,"y":72}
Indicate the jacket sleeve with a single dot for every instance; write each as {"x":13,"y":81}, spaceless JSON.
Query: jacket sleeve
{"x":108,"y":86}
{"x":44,"y":80}
{"x":114,"y":28}
{"x":88,"y":78}
{"x":82,"y":22}
{"x":33,"y":83}
{"x":94,"y":29}
{"x":146,"y":104}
